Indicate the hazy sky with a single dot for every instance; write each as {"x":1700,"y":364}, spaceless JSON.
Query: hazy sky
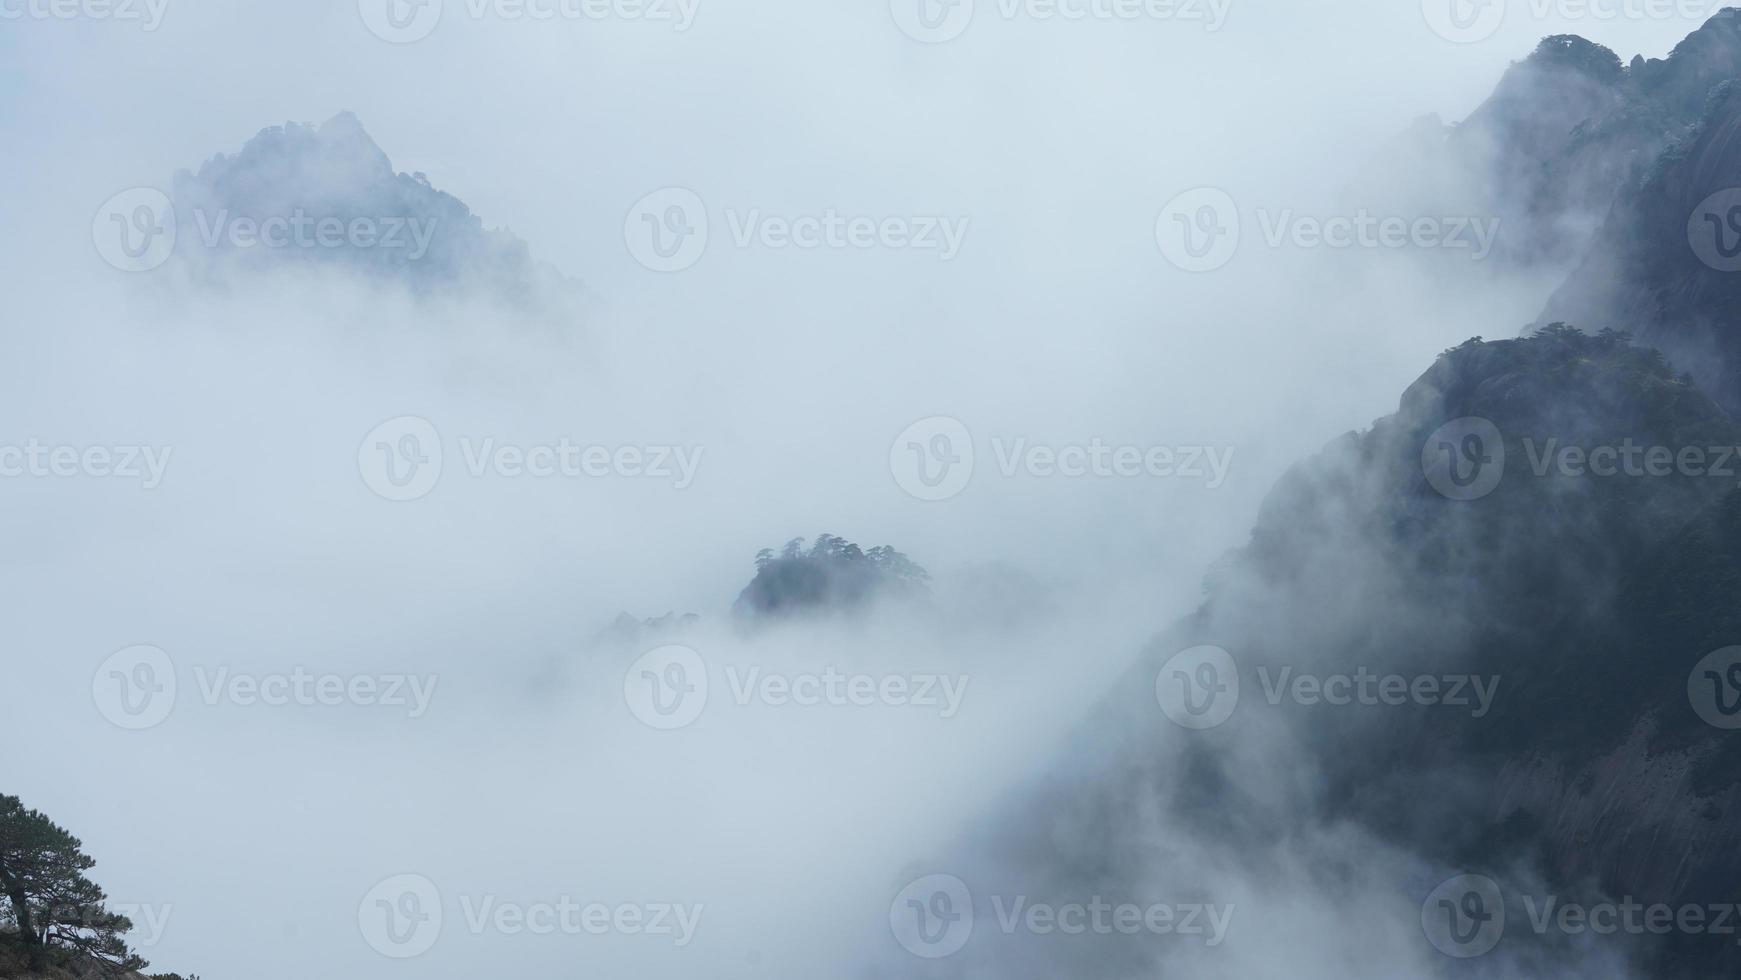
{"x":1052,"y":145}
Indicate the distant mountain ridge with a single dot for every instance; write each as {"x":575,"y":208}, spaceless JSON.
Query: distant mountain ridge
{"x":1564,"y":133}
{"x":1665,"y":264}
{"x":1654,"y":150}
{"x":327,"y":196}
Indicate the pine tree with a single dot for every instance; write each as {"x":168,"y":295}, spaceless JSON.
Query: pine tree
{"x":44,"y":893}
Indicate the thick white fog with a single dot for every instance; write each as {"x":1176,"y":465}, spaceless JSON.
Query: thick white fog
{"x":779,"y":378}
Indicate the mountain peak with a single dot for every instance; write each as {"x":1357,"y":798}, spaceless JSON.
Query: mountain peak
{"x":1579,"y":54}
{"x":343,"y":122}
{"x":1707,"y":56}
{"x":339,"y":148}
{"x":379,"y":221}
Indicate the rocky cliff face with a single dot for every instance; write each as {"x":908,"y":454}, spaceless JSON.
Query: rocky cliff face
{"x":1565,"y":129}
{"x":1545,"y":536}
{"x":1554,"y":142}
{"x":1556,"y":608}
{"x":1568,"y":130}
{"x":1667,"y":263}
{"x":1709,"y":56}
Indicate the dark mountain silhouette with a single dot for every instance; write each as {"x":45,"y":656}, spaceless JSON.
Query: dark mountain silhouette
{"x":1585,"y":601}
{"x":1592,"y":597}
{"x":1587,"y":583}
{"x":833,"y":575}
